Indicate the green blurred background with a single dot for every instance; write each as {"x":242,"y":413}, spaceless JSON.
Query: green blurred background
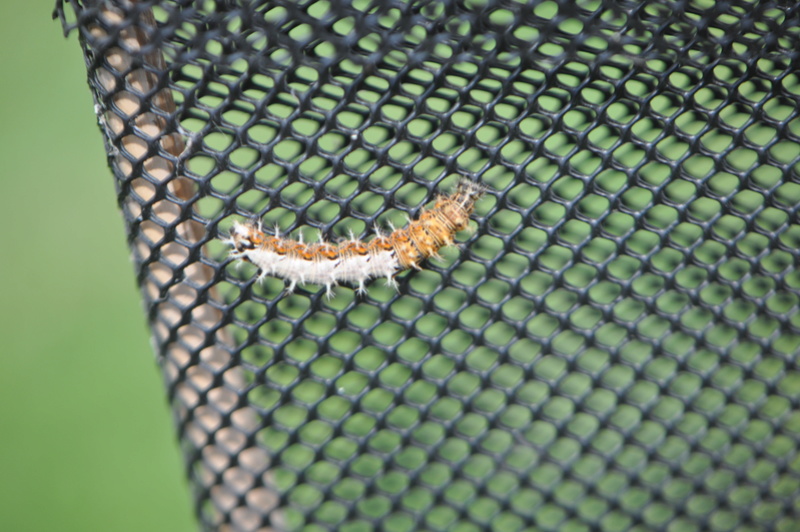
{"x":87,"y":437}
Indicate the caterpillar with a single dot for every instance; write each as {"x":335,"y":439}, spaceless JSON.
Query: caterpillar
{"x":353,"y":261}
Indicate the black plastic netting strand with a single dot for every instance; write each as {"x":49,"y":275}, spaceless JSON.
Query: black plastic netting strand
{"x":614,"y":346}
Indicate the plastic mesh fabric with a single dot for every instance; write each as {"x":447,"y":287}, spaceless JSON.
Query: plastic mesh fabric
{"x":614,"y":347}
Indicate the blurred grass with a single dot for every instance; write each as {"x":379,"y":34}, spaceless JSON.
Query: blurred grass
{"x":87,"y":443}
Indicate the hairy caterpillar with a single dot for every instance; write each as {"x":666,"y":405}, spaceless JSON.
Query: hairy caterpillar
{"x":353,"y":261}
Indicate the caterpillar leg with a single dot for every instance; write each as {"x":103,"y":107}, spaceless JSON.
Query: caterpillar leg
{"x":329,"y":291}
{"x":362,"y":289}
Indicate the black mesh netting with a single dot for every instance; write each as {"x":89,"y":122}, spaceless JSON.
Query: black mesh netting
{"x":614,"y":346}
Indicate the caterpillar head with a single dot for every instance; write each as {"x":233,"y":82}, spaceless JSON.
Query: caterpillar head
{"x":458,"y":207}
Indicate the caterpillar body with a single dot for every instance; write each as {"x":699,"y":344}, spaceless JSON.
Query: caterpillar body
{"x":353,"y":261}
